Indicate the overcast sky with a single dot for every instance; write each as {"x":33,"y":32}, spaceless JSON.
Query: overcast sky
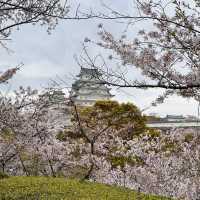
{"x":47,"y":57}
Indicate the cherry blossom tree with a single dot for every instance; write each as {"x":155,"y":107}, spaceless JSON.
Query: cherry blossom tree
{"x":165,"y":50}
{"x":107,"y":147}
{"x":108,"y":143}
{"x":24,"y":128}
{"x":95,"y":128}
{"x":16,"y":13}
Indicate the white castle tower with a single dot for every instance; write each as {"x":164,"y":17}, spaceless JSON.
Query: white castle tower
{"x":89,"y":88}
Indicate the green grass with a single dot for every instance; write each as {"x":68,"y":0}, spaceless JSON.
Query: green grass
{"x":44,"y":188}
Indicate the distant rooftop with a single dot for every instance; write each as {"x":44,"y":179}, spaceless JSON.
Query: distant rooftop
{"x":175,"y":117}
{"x":89,"y":71}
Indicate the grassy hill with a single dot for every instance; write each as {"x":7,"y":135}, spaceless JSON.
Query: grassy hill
{"x":44,"y":188}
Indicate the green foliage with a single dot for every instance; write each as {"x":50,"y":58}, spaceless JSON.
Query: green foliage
{"x":188,"y":137}
{"x":3,"y":175}
{"x":153,"y":118}
{"x":152,"y":133}
{"x":7,"y":135}
{"x":169,"y":146}
{"x":63,"y":135}
{"x":43,"y":188}
{"x":121,"y":161}
{"x":115,"y":116}
{"x":24,"y":155}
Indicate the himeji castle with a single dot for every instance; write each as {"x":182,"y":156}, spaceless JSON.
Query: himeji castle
{"x":85,"y":91}
{"x":88,"y":88}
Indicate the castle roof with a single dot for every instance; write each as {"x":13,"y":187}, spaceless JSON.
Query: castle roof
{"x":89,"y":87}
{"x":89,"y":71}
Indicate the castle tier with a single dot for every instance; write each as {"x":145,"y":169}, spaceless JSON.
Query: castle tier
{"x":89,"y":88}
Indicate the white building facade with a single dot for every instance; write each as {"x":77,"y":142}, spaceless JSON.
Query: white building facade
{"x":89,"y":88}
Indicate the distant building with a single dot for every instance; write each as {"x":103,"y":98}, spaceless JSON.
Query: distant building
{"x":57,"y":97}
{"x":86,"y":90}
{"x":174,"y":118}
{"x":192,"y":118}
{"x":54,"y":97}
{"x":89,"y":88}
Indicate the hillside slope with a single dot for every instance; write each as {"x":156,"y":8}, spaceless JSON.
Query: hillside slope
{"x":43,"y":188}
